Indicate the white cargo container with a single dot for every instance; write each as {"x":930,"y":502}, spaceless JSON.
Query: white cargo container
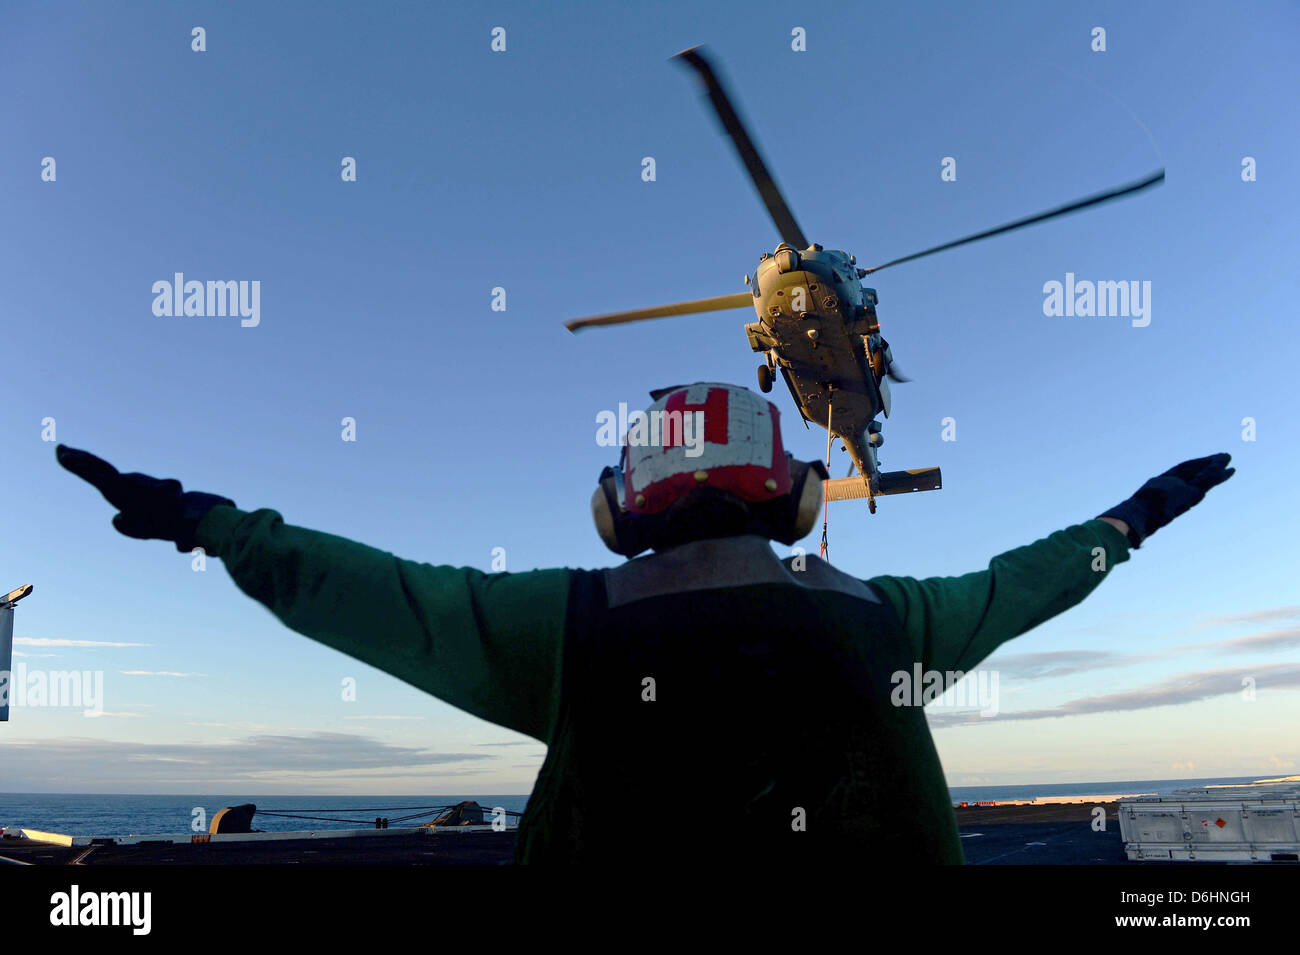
{"x":1227,"y":824}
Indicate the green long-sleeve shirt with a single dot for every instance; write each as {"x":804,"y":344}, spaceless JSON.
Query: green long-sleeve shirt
{"x":492,"y":644}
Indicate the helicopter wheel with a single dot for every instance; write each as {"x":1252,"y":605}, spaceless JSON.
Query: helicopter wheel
{"x":764,"y":378}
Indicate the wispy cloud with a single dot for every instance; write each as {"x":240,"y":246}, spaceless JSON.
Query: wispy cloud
{"x":1054,"y":663}
{"x":59,"y":642}
{"x":1176,"y":691}
{"x":383,"y":717}
{"x":158,"y":673}
{"x":105,"y":713}
{"x":330,"y":779}
{"x":1059,"y":663}
{"x":1255,"y":643}
{"x":1252,"y":616}
{"x":517,"y":742}
{"x":314,"y":757}
{"x":244,"y":726}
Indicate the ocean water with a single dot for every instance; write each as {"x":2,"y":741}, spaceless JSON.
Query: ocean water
{"x":118,"y":814}
{"x":1159,"y":787}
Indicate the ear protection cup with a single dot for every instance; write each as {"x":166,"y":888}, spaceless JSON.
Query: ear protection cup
{"x":621,"y":533}
{"x":603,"y":515}
{"x":804,"y":504}
{"x":785,"y":520}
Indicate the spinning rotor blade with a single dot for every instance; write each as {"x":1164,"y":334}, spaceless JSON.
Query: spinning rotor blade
{"x":717,"y":304}
{"x":749,"y":155}
{"x":1041,"y":217}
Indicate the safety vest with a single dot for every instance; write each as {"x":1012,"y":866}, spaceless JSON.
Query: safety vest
{"x":717,"y":702}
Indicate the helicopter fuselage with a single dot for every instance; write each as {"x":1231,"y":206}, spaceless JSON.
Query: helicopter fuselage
{"x":818,"y":329}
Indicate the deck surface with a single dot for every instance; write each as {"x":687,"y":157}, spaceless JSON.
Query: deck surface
{"x":1054,"y":834}
{"x":991,"y":835}
{"x":451,"y":848}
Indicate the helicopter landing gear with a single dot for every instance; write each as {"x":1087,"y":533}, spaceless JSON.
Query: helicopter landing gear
{"x":764,"y":378}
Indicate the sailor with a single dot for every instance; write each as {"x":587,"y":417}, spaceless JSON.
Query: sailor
{"x":705,"y":698}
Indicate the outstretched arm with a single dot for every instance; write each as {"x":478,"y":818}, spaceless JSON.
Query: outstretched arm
{"x":955,"y":622}
{"x":490,"y":644}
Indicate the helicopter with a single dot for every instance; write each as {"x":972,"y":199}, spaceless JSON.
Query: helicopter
{"x":817,"y":324}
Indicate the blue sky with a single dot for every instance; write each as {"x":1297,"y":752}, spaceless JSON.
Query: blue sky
{"x":476,"y":429}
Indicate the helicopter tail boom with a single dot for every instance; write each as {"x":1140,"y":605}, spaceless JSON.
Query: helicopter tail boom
{"x":891,"y":482}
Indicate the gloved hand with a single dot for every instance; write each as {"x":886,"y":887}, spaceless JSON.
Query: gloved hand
{"x":1163,"y":498}
{"x":150,"y":509}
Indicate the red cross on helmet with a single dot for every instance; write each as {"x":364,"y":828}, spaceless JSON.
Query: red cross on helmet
{"x":706,"y":442}
{"x":704,"y":435}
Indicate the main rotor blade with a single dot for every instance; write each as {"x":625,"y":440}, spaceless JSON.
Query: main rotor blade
{"x":749,"y":155}
{"x":1030,"y":220}
{"x":716,"y":304}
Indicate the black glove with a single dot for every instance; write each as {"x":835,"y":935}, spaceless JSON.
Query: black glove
{"x":1163,"y":498}
{"x":150,"y":509}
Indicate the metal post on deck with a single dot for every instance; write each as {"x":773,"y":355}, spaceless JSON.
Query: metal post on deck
{"x":7,"y":646}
